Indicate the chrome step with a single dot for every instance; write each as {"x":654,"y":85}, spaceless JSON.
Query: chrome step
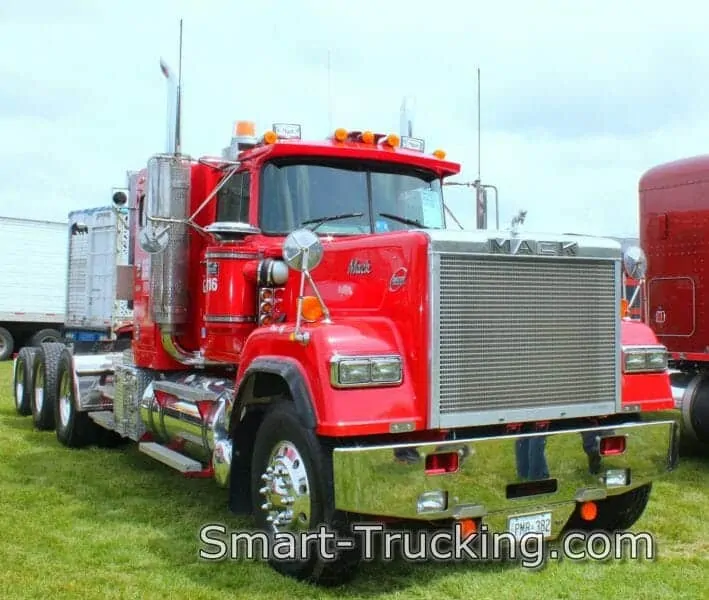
{"x":104,"y":418}
{"x":173,"y":459}
{"x":185,"y":392}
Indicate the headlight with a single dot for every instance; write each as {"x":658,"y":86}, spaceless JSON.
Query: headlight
{"x":645,"y":359}
{"x":635,"y":262}
{"x":365,"y":371}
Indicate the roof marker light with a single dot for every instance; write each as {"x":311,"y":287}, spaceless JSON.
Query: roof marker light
{"x":392,"y":140}
{"x":367,"y":137}
{"x":439,"y":154}
{"x":270,"y":137}
{"x":244,"y":129}
{"x":340,"y":134}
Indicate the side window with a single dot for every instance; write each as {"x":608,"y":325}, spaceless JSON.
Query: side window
{"x":233,"y":199}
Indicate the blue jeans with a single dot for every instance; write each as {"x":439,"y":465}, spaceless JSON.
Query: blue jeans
{"x":531,"y":458}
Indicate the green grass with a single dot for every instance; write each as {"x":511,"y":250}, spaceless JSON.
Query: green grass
{"x":112,"y":523}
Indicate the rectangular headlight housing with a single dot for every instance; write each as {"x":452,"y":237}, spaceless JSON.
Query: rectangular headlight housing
{"x":644,"y":359}
{"x":361,"y":371}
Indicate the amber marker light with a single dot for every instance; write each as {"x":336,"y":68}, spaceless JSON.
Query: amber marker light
{"x":311,"y":309}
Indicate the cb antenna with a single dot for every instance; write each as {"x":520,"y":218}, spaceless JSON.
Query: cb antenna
{"x":479,"y":179}
{"x":174,"y":103}
{"x":178,"y":124}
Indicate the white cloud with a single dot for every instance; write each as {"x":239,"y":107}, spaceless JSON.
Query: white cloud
{"x":576,"y":102}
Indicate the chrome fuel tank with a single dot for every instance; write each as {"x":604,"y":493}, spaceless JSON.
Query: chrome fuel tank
{"x":188,"y":413}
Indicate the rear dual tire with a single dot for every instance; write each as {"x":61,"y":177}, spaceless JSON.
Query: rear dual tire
{"x":74,"y":428}
{"x":45,"y":382}
{"x":22,"y":380}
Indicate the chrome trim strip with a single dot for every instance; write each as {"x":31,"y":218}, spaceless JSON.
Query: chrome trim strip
{"x":618,"y":335}
{"x":229,"y":319}
{"x":231,"y":254}
{"x":476,"y":242}
{"x":434,"y":285}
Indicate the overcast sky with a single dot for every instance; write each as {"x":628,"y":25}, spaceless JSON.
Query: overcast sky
{"x":578,"y":99}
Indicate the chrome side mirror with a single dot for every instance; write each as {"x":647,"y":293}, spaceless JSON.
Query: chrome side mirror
{"x":635,"y":263}
{"x":302,"y":250}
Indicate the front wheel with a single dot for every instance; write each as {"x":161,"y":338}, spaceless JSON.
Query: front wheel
{"x":291,"y":491}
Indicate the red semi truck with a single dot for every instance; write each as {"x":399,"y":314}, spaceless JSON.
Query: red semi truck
{"x":674,"y":213}
{"x":308,"y":333}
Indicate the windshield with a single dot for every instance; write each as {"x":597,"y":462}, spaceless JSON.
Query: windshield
{"x":359,"y":195}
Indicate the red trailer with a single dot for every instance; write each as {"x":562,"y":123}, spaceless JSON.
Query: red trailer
{"x":674,"y":215}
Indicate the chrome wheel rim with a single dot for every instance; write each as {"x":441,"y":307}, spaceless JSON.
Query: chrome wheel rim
{"x":65,"y":400}
{"x":286,"y":489}
{"x":39,"y":389}
{"x":19,"y":384}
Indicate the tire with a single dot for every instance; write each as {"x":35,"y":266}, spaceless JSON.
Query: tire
{"x":616,"y":513}
{"x":74,"y":428}
{"x":45,"y":336}
{"x":22,"y":381}
{"x":309,"y":460}
{"x":7,"y":344}
{"x":45,"y":385}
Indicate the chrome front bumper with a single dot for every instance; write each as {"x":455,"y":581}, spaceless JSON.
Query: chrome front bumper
{"x":370,"y":481}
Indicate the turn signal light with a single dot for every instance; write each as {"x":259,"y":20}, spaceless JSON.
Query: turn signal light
{"x":589,"y":511}
{"x":467,"y":528}
{"x":311,"y":309}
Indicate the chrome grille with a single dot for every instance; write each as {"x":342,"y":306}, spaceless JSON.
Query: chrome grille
{"x":524,"y":338}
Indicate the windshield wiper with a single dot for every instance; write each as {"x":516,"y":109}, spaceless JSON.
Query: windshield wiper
{"x":322,"y":220}
{"x":404,"y":220}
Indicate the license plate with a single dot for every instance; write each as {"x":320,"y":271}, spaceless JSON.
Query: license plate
{"x":526,"y":524}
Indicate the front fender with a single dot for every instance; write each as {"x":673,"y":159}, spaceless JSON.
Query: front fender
{"x":644,"y":391}
{"x":339,"y":412}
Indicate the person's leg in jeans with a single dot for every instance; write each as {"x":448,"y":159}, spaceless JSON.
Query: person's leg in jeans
{"x":531,"y":458}
{"x":590,"y":447}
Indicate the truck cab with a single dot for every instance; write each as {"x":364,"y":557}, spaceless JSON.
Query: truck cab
{"x":310,"y":333}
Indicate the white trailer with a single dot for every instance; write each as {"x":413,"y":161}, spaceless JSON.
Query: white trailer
{"x":33,"y":272}
{"x":99,"y":281}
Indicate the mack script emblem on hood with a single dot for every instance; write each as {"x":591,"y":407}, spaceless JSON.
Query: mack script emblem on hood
{"x":358,"y":267}
{"x":533,"y":247}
